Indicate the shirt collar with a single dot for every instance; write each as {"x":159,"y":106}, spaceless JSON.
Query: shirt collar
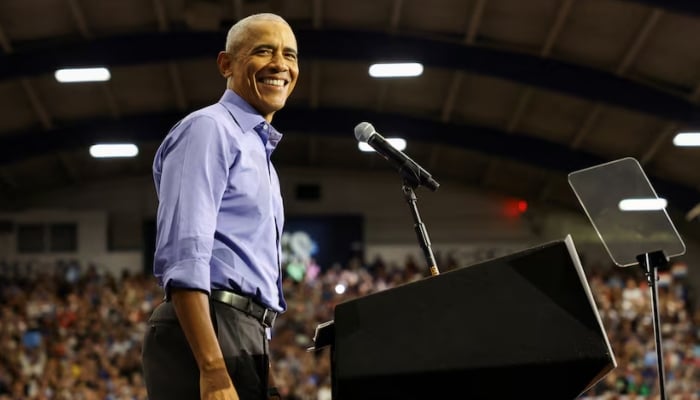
{"x":249,"y":118}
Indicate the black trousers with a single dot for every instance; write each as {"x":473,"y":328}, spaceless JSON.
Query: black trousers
{"x":170,"y":370}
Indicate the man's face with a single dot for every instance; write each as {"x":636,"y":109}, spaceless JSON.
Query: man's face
{"x":264,"y":70}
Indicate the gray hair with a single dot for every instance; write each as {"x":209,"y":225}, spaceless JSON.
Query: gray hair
{"x":237,"y":34}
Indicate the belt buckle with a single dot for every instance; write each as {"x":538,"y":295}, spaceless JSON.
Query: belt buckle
{"x":264,"y":318}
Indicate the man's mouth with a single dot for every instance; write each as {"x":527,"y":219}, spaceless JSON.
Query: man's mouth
{"x":274,"y":82}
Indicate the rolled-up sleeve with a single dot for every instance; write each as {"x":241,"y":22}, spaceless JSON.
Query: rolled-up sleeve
{"x":193,"y":166}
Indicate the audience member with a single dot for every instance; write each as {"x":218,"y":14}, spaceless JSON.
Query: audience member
{"x":72,"y":337}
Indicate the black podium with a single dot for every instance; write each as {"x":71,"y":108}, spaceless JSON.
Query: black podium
{"x":520,"y":326}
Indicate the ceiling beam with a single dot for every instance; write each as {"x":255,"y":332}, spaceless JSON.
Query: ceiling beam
{"x":489,"y":172}
{"x":434,"y":158}
{"x":621,"y":69}
{"x":161,"y":16}
{"x":317,"y":14}
{"x":107,"y":92}
{"x":695,"y":96}
{"x":46,"y":123}
{"x":555,"y":29}
{"x":178,"y":88}
{"x":37,"y":105}
{"x":451,"y":98}
{"x":520,"y":107}
{"x":382,"y":94}
{"x":585,"y":127}
{"x":5,"y":42}
{"x":151,"y":128}
{"x":173,"y":70}
{"x":545,"y":51}
{"x":474,"y":21}
{"x":662,"y":139}
{"x":559,"y":76}
{"x":111,"y":99}
{"x":691,"y":7}
{"x":79,"y":18}
{"x":68,"y":168}
{"x":395,"y":18}
{"x":639,"y":41}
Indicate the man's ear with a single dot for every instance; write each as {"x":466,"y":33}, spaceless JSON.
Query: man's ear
{"x":223,"y":60}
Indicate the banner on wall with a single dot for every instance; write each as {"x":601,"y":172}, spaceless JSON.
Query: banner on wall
{"x":311,"y":244}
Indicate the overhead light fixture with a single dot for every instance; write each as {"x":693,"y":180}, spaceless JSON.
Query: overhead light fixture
{"x":397,"y":143}
{"x":687,"y":139}
{"x":113,"y":150}
{"x":69,"y":75}
{"x":395,"y":70}
{"x":642,"y":204}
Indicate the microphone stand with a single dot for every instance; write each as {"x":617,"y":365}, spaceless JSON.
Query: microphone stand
{"x":419,"y":227}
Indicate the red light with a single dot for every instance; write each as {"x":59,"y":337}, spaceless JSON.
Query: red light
{"x":514,"y":208}
{"x":522,"y":206}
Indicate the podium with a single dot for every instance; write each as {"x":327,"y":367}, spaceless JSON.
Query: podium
{"x":519,"y":326}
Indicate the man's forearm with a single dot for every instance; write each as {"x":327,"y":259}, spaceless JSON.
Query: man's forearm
{"x":192,"y":309}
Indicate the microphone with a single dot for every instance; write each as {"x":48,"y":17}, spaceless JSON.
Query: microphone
{"x":364,"y":132}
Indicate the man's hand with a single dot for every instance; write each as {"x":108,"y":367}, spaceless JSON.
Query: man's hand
{"x":215,"y":384}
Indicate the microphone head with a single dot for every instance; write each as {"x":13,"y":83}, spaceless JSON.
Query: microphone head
{"x":363,"y":131}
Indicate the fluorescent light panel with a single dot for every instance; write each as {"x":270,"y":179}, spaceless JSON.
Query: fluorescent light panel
{"x":395,"y":70}
{"x":397,"y":143}
{"x":687,"y":139}
{"x":67,"y":75}
{"x":650,"y":204}
{"x":113,"y":150}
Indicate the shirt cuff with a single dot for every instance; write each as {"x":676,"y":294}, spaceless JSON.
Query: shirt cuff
{"x":188,"y":274}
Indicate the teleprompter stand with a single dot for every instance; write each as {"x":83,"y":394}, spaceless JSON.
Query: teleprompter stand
{"x":520,"y":325}
{"x":632,"y":223}
{"x":651,"y":263}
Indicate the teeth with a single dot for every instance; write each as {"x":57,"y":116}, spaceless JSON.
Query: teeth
{"x":274,"y":82}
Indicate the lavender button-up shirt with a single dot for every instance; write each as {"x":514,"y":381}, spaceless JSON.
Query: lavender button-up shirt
{"x":220,"y":212}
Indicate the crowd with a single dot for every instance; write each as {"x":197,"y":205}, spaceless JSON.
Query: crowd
{"x":70,"y":332}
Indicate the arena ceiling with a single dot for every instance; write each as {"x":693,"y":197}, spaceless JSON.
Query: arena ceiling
{"x":515,"y":94}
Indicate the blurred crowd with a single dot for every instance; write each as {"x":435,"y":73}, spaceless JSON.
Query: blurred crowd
{"x":71,"y":331}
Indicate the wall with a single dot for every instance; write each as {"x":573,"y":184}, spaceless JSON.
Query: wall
{"x":91,"y":240}
{"x":459,"y":220}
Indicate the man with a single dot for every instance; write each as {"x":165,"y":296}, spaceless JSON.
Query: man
{"x":219,"y":222}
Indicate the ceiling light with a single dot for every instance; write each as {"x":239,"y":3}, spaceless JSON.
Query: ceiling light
{"x":650,"y":204}
{"x":99,"y":74}
{"x":395,"y":70}
{"x":687,"y":139}
{"x":114,"y":150}
{"x":397,"y":143}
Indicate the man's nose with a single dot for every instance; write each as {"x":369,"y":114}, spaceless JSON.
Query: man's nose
{"x":278,"y":61}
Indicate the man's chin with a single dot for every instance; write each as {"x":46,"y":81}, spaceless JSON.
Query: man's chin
{"x":271,"y":107}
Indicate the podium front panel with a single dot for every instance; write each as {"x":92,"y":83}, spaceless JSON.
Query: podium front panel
{"x":523,"y":324}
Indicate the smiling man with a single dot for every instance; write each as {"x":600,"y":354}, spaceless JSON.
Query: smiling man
{"x":219,"y":221}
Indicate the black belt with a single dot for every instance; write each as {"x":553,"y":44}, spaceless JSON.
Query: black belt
{"x":247,"y":305}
